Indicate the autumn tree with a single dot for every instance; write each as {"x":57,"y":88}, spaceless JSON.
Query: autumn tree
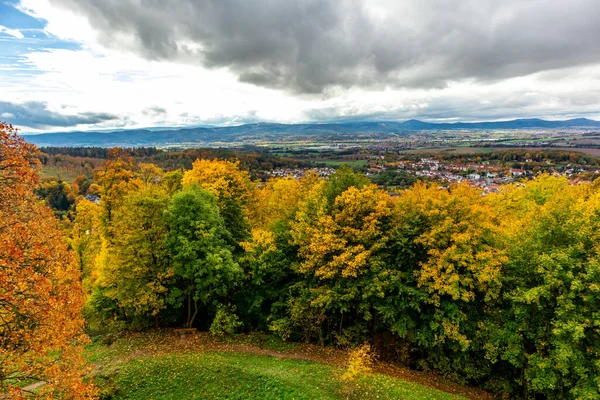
{"x":138,"y":268}
{"x":449,"y":249}
{"x":203,"y":266}
{"x":86,"y":238}
{"x":172,"y":181}
{"x":276,"y":201}
{"x":338,"y":248}
{"x":41,"y":325}
{"x":232,"y":189}
{"x":343,"y":179}
{"x":57,"y":194}
{"x":149,"y":173}
{"x":115,"y":178}
{"x":545,"y":339}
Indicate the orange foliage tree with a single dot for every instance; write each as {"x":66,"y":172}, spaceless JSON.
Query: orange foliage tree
{"x":41,"y":332}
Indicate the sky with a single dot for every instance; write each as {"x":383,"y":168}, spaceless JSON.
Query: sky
{"x":90,"y":64}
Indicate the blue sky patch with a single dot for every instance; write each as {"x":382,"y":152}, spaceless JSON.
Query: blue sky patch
{"x":13,"y":63}
{"x":12,"y":18}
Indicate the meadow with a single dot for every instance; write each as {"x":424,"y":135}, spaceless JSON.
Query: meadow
{"x":162,"y":365}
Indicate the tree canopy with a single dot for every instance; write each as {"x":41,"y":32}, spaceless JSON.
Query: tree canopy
{"x":41,"y":326}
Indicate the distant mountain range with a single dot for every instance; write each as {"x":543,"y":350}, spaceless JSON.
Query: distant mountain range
{"x":251,"y":133}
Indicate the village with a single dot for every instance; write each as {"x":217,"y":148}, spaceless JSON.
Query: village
{"x":487,"y":175}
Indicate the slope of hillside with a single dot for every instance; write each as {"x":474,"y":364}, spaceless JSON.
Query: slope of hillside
{"x":161,"y":365}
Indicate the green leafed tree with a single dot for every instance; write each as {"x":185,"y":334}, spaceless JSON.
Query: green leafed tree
{"x":546,"y":336}
{"x":204,"y":267}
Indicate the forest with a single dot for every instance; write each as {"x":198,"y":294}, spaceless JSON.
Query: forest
{"x":500,"y":291}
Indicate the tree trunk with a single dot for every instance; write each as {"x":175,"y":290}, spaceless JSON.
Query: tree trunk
{"x":195,"y":312}
{"x":189,"y":311}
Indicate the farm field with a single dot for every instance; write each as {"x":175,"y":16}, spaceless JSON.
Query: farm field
{"x":58,"y":172}
{"x":355,"y":163}
{"x":487,"y":150}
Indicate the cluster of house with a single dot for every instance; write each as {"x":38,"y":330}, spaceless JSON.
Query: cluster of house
{"x":487,"y":176}
{"x":298,"y":173}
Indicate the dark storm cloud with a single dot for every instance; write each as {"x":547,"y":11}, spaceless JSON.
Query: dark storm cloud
{"x":36,"y":115}
{"x":307,"y":46}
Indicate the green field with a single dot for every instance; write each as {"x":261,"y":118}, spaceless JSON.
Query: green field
{"x":355,"y":163}
{"x":463,"y":150}
{"x":450,"y":150}
{"x":58,"y":173}
{"x":130,"y":369}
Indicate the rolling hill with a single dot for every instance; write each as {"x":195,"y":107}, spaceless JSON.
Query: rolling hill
{"x":250,"y":133}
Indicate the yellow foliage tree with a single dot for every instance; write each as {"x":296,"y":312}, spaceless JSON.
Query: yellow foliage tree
{"x":277,"y":200}
{"x":115,"y":178}
{"x":86,"y":240}
{"x":232,"y":188}
{"x":459,"y":233}
{"x":139,"y":265}
{"x":149,"y":173}
{"x":340,"y":243}
{"x":222,"y":178}
{"x":462,"y":259}
{"x":339,"y":257}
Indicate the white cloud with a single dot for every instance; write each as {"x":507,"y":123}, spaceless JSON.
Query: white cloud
{"x":124,"y":84}
{"x":11,"y":32}
{"x":60,"y":22}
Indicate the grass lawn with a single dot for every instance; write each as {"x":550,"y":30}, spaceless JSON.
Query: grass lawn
{"x":236,"y":375}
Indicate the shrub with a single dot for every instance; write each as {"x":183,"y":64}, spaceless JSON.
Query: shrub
{"x":360,"y":363}
{"x":226,"y":321}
